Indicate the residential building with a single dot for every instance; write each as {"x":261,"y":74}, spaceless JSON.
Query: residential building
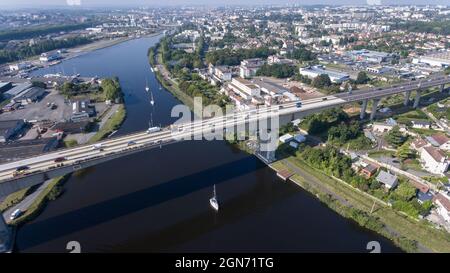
{"x":420,"y":124}
{"x":249,"y":67}
{"x":390,"y":181}
{"x":440,"y":141}
{"x":442,"y":206}
{"x":369,"y":170}
{"x":384,"y":127}
{"x":434,"y":160}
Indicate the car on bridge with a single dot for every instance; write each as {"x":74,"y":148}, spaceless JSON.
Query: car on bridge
{"x":60,"y":159}
{"x":131,"y":143}
{"x":298,"y":104}
{"x":153,"y":130}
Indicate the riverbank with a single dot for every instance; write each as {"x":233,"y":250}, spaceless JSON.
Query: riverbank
{"x":52,"y":189}
{"x":101,"y":44}
{"x":409,"y":234}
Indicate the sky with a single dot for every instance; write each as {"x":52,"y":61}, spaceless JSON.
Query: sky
{"x":106,"y":3}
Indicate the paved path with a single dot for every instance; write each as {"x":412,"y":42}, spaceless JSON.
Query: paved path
{"x":314,"y":182}
{"x":26,"y":202}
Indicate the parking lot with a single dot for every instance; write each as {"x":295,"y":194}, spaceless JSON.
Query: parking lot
{"x":40,"y":110}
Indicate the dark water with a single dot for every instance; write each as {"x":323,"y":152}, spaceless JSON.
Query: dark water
{"x":157,"y":201}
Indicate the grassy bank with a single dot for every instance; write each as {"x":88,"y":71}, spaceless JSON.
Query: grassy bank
{"x":13,"y":198}
{"x":175,"y":91}
{"x":409,"y":234}
{"x":50,"y":193}
{"x":112,"y":124}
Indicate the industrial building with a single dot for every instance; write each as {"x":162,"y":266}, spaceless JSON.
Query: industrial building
{"x":5,"y":86}
{"x":17,"y":90}
{"x":438,"y":59}
{"x":370,"y":56}
{"x":9,"y":128}
{"x":30,"y":95}
{"x":314,"y":71}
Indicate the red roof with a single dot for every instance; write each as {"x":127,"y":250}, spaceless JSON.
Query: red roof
{"x":437,"y":154}
{"x":440,"y":138}
{"x":443,"y":200}
{"x":420,"y":186}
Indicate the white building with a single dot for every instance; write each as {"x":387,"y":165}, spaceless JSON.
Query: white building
{"x":19,"y":66}
{"x":440,"y":141}
{"x":442,"y":206}
{"x":244,"y":88}
{"x":439,"y":59}
{"x":286,"y":138}
{"x":249,"y":67}
{"x":434,"y":160}
{"x":390,"y":181}
{"x":314,"y":71}
{"x":50,"y":56}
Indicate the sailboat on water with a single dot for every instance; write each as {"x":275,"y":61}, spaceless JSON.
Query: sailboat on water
{"x":146,"y":85}
{"x":213,"y":200}
{"x":152,"y":101}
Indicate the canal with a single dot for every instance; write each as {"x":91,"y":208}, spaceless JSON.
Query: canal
{"x":158,"y":200}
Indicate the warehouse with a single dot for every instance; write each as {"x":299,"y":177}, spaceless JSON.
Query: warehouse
{"x":314,"y":71}
{"x":9,"y":128}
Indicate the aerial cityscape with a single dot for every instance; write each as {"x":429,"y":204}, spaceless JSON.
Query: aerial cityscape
{"x":188,"y":127}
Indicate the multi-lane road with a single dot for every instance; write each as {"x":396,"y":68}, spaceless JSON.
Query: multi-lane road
{"x":145,"y":140}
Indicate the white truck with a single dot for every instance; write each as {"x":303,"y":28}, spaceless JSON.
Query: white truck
{"x":97,"y":146}
{"x":153,"y":130}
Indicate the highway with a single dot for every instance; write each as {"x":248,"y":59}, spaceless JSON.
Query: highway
{"x":144,"y":140}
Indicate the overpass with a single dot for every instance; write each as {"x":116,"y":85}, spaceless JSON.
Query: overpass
{"x":43,"y":167}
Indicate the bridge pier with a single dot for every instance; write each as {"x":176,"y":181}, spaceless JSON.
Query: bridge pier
{"x":417,"y":98}
{"x":441,"y":88}
{"x":407,"y":97}
{"x":374,"y":108}
{"x":363,"y":109}
{"x":6,"y":236}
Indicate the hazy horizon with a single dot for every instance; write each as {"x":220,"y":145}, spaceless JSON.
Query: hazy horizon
{"x":129,"y":3}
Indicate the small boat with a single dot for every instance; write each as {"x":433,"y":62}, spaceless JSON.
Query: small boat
{"x":213,"y":200}
{"x":152,"y":101}
{"x":146,"y":85}
{"x":151,"y":68}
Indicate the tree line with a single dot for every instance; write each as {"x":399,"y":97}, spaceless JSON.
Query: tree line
{"x":27,"y":51}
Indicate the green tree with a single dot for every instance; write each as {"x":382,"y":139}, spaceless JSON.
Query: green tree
{"x":111,"y":89}
{"x":405,"y":152}
{"x":362,"y":78}
{"x":323,"y":80}
{"x":395,"y":137}
{"x":405,"y":192}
